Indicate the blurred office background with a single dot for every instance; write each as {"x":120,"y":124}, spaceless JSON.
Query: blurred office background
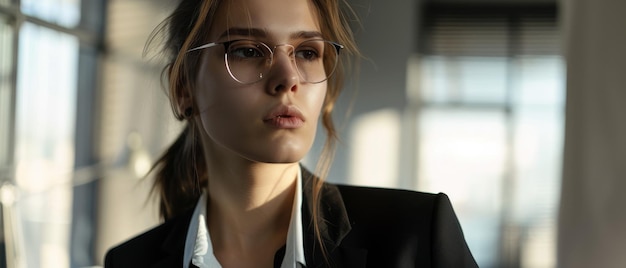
{"x":466,"y":97}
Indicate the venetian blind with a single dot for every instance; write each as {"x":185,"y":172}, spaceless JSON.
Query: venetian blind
{"x":500,"y":31}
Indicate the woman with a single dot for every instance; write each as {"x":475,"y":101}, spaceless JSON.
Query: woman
{"x":251,"y":78}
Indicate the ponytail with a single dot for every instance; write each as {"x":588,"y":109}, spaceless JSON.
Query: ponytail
{"x":180,"y":174}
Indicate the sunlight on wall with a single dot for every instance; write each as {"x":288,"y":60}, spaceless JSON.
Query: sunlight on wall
{"x":462,"y":153}
{"x":374,"y":149}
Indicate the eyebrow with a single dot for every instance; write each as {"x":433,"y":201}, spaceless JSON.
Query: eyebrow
{"x":260,"y":33}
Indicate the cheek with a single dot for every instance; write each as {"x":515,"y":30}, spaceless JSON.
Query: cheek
{"x":215,"y":89}
{"x":220,"y":104}
{"x":226,"y":111}
{"x":316,"y":99}
{"x":209,"y":79}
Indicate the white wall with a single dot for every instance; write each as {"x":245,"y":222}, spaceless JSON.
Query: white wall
{"x":592,"y":227}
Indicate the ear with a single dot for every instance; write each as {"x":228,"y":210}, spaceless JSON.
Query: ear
{"x":184,"y":102}
{"x":181,"y":95}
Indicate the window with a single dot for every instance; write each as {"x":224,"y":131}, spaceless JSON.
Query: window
{"x":490,"y":126}
{"x":6,"y":92}
{"x":48,"y":52}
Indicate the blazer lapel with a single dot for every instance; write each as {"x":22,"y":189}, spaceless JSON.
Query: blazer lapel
{"x":334,"y":225}
{"x":173,"y":247}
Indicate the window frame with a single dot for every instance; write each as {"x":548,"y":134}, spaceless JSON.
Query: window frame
{"x":90,"y":35}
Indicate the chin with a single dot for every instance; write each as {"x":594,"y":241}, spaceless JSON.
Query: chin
{"x":277,"y":158}
{"x":278,"y":155}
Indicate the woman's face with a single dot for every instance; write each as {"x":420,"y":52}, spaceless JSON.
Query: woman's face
{"x":273,"y":120}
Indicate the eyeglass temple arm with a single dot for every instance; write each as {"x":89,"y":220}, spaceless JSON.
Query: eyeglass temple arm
{"x":203,"y":46}
{"x":338,"y":47}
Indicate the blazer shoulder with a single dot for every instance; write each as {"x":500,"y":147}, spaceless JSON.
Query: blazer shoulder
{"x":410,"y":220}
{"x":395,"y":210}
{"x":143,"y":248}
{"x":390,"y":200}
{"x":148,"y":238}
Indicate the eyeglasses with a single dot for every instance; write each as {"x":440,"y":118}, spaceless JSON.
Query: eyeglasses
{"x":249,"y":61}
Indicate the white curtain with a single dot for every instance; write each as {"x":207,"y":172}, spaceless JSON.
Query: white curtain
{"x":592,"y":224}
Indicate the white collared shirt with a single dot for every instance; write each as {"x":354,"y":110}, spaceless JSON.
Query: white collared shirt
{"x":199,"y":249}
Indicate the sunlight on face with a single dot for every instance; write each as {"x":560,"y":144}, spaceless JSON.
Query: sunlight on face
{"x":273,"y":120}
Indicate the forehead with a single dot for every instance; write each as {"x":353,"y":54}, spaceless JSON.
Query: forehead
{"x":277,"y":18}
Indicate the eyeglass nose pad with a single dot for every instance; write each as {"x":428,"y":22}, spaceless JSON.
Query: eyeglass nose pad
{"x":289,"y":53}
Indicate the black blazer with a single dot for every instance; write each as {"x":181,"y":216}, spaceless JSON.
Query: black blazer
{"x":362,"y":227}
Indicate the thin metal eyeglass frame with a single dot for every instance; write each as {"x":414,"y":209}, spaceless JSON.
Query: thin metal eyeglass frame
{"x":227,"y":44}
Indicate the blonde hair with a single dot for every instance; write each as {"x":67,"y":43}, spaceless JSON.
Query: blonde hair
{"x":181,"y":170}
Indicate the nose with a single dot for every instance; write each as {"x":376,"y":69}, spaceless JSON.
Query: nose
{"x":284,"y":75}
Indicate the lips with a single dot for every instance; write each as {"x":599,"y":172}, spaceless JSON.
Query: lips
{"x":284,"y":117}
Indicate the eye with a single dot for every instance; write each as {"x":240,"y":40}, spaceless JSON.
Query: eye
{"x":307,"y":54}
{"x":246,"y":50}
{"x":311,"y":50}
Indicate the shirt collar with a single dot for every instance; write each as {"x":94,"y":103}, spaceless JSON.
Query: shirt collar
{"x":295,"y":242}
{"x":199,"y":249}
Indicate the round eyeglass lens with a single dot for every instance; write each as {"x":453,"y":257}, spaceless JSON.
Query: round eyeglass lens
{"x":250,"y":61}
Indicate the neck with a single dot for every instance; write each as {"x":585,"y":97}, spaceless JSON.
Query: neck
{"x":249,"y":203}
{"x":257,"y":186}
